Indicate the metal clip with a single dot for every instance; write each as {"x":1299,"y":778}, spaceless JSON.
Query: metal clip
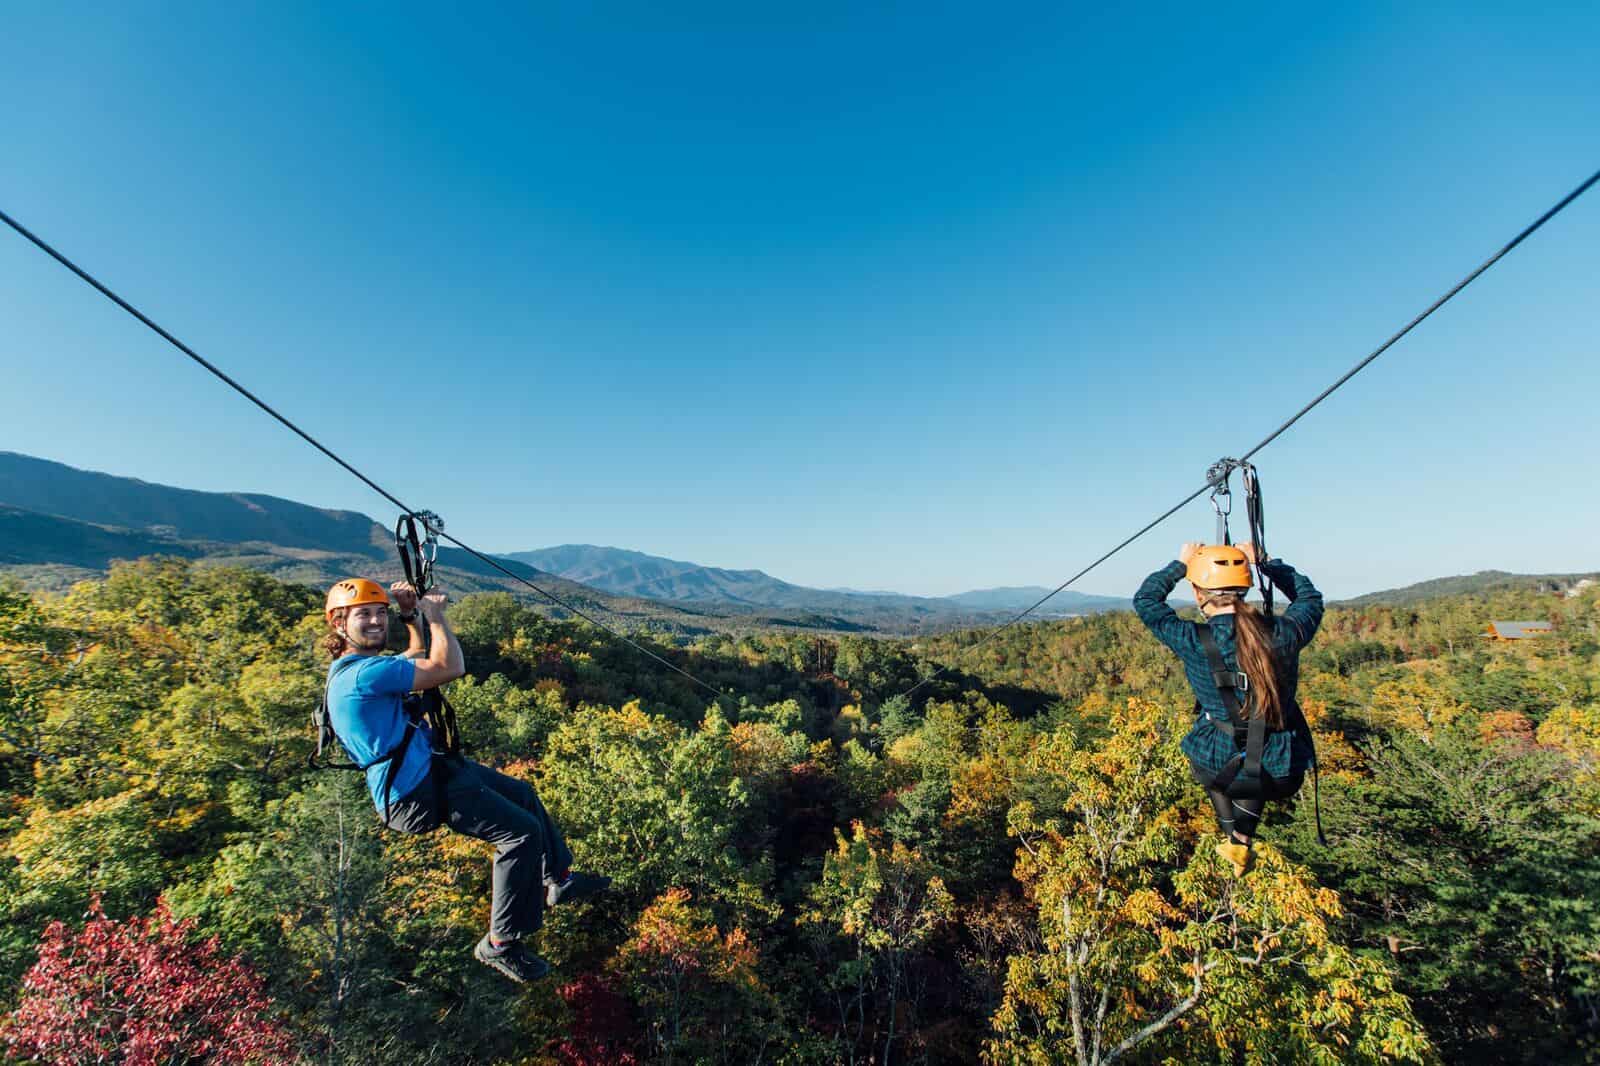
{"x":432,"y":526}
{"x":1221,"y":495}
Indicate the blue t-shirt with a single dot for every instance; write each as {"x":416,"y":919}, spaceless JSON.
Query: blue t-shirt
{"x":364,"y":706}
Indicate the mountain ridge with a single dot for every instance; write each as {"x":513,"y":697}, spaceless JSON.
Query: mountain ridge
{"x":1479,"y":582}
{"x":625,"y":571}
{"x":59,"y":525}
{"x":53,"y":488}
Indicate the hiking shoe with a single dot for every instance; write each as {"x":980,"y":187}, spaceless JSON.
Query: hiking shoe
{"x":1238,"y":855}
{"x":513,"y":960}
{"x":577,"y":886}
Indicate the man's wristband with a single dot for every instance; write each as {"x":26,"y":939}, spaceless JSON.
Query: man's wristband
{"x":409,"y":618}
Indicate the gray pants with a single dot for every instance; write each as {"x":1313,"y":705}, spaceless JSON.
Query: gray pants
{"x":488,"y":805}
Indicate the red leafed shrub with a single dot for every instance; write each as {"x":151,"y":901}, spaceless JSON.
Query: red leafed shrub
{"x":141,"y":993}
{"x":602,"y":1026}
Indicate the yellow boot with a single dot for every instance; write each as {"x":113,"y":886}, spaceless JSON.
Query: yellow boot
{"x":1238,"y":855}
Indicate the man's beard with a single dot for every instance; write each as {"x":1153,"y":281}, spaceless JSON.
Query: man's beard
{"x":357,"y":644}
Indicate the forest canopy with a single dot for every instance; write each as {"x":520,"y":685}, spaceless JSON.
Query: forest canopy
{"x":1013,"y":867}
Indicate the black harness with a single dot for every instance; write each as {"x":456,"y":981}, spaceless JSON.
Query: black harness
{"x":1242,"y":777}
{"x":423,"y":710}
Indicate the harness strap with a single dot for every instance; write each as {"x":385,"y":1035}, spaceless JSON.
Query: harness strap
{"x":1246,"y":731}
{"x":1255,"y":741}
{"x":440,"y":718}
{"x":434,"y":712}
{"x":1229,"y":682}
{"x":323,"y":724}
{"x":394,"y":757}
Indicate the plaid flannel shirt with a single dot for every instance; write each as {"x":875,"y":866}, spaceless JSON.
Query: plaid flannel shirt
{"x":1286,"y":752}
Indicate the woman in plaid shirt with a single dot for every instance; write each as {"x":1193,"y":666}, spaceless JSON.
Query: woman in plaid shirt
{"x":1266,"y":650}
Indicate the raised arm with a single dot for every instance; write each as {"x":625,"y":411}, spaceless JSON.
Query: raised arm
{"x":444,"y":662}
{"x":405,"y":602}
{"x":1305,"y":602}
{"x":1150,"y":604}
{"x":416,"y":644}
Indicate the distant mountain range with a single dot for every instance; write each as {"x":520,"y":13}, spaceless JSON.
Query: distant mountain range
{"x":59,"y":524}
{"x":632,"y":573}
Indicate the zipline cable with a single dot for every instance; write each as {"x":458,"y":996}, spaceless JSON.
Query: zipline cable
{"x":309,"y":439}
{"x":1527,"y":232}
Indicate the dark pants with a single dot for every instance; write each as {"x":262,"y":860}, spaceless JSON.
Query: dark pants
{"x":488,"y":805}
{"x":1241,"y":816}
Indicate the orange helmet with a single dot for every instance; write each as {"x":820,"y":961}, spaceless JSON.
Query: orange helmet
{"x":1219,"y":566}
{"x":353,"y":591}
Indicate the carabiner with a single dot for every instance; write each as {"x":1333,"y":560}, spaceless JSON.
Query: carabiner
{"x":417,"y":554}
{"x":432,"y":526}
{"x":1222,"y":496}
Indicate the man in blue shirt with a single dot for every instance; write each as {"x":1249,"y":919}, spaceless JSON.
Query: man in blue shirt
{"x":417,"y":789}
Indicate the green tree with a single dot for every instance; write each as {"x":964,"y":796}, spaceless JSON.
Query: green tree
{"x":1473,"y":863}
{"x":105,"y":847}
{"x":873,"y":911}
{"x":655,"y":805}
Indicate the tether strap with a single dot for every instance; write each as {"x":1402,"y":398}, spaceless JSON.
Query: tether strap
{"x":440,"y":718}
{"x":1316,"y":797}
{"x":418,"y":572}
{"x":1255,"y":512}
{"x":1251,"y":730}
{"x":1303,"y":728}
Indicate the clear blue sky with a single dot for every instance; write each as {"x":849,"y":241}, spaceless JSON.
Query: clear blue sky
{"x":922,"y":297}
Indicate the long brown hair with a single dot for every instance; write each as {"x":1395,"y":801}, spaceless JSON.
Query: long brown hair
{"x":1253,"y":644}
{"x":333,"y":639}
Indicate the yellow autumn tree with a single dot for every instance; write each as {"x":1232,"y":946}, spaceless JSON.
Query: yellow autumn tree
{"x":875,"y":908}
{"x":1414,"y":703}
{"x":1151,"y":950}
{"x":1575,"y":731}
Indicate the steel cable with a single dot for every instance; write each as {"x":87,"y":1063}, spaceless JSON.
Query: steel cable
{"x":325,"y":450}
{"x":1527,"y":232}
{"x":1352,"y":372}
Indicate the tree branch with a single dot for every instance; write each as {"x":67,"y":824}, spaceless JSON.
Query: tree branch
{"x":1183,"y":1007}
